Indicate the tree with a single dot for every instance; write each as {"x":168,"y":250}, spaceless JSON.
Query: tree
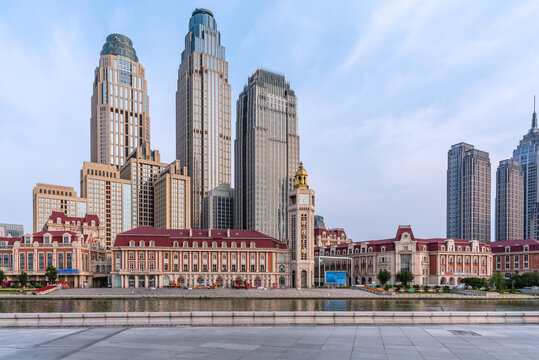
{"x":23,"y":279}
{"x":498,"y":281}
{"x":474,"y":282}
{"x":51,"y":273}
{"x":404,"y":277}
{"x":383,"y":276}
{"x":2,"y":277}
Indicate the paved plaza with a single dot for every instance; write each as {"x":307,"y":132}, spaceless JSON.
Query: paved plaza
{"x":289,"y":342}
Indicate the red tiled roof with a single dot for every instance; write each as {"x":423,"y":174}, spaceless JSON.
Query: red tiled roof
{"x":515,"y":245}
{"x":69,"y":219}
{"x":166,"y":237}
{"x":57,"y":236}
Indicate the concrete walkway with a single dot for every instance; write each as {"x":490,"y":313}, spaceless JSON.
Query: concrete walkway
{"x":298,"y":343}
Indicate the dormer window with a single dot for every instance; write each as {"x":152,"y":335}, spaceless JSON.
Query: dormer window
{"x":141,"y":243}
{"x":131,"y":243}
{"x":58,"y":220}
{"x":526,"y":247}
{"x":28,"y":239}
{"x":383,"y":249}
{"x":66,"y":239}
{"x":152,"y":243}
{"x":370,"y":249}
{"x":467,"y":248}
{"x":204,"y":244}
{"x":176,"y":244}
{"x":252,"y":245}
{"x":93,"y":222}
{"x":214,"y":244}
{"x":424,"y":248}
{"x":195,"y":244}
{"x":185,"y":244}
{"x":243,"y":245}
{"x":442,"y":248}
{"x":459,"y":248}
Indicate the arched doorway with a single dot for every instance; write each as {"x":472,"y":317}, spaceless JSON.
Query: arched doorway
{"x":258,"y":281}
{"x":282,"y":282}
{"x":181,"y":281}
{"x":131,"y":281}
{"x":219,"y":281}
{"x":166,"y":280}
{"x":151,"y":281}
{"x":303,"y":279}
{"x":141,"y":281}
{"x":369,"y":281}
{"x":294,"y":279}
{"x":443,"y":281}
{"x":363,"y":281}
{"x":451,"y":281}
{"x":200,"y":281}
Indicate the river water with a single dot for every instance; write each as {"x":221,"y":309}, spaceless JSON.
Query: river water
{"x":242,"y":304}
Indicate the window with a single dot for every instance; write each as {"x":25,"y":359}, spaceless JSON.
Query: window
{"x":131,"y":266}
{"x":233,"y":267}
{"x":252,"y":267}
{"x":262,"y":268}
{"x":152,"y":243}
{"x":41,"y":261}
{"x":69,"y":264}
{"x":185,"y":267}
{"x":383,"y":249}
{"x":131,"y":243}
{"x":131,"y":255}
{"x":66,"y":239}
{"x":252,"y":245}
{"x":243,"y":245}
{"x":204,"y":244}
{"x":176,"y":244}
{"x":151,"y":266}
{"x":204,"y":267}
{"x":141,"y":266}
{"x":141,"y":243}
{"x":242,"y":267}
{"x":49,"y":259}
{"x":185,"y":244}
{"x":233,"y":245}
{"x":141,"y":255}
{"x":224,"y":267}
{"x":61,"y":261}
{"x":214,"y":267}
{"x":30,"y":261}
{"x":151,"y":255}
{"x":166,"y":255}
{"x":195,"y":267}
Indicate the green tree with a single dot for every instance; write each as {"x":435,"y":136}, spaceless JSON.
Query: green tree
{"x":51,"y":273}
{"x":2,"y":277}
{"x":383,"y":276}
{"x":23,"y":279}
{"x":498,"y":281}
{"x":404,"y":277}
{"x":474,"y":282}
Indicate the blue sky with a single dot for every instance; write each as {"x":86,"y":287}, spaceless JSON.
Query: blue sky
{"x":384,"y":88}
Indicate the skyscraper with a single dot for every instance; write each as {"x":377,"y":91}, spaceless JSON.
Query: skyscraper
{"x":527,"y":153}
{"x":509,"y":201}
{"x":203,"y":126}
{"x":266,"y":153}
{"x":120,"y":121}
{"x":468,"y":193}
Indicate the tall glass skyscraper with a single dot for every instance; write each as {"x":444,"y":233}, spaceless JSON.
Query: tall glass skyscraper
{"x":203,"y":126}
{"x":120,"y":121}
{"x":266,"y":153}
{"x":527,"y":153}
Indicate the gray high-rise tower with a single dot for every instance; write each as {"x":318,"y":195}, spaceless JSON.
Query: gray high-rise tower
{"x":203,"y":125}
{"x":468,"y":193}
{"x":527,"y":153}
{"x":266,"y":153}
{"x":509,"y":201}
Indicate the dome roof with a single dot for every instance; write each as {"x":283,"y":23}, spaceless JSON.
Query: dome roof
{"x":120,"y":45}
{"x":301,"y":171}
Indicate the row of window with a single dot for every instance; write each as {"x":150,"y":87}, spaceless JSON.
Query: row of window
{"x":204,"y":268}
{"x":243,"y":244}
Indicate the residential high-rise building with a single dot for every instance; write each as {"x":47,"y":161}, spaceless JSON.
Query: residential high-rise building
{"x":49,"y":198}
{"x":142,"y":168}
{"x":218,"y":208}
{"x":203,"y":125}
{"x":120,"y":119}
{"x":468,"y":193}
{"x":108,"y":196}
{"x":509,"y":201}
{"x":266,"y":153}
{"x":13,"y":230}
{"x":527,"y":153}
{"x":172,"y":197}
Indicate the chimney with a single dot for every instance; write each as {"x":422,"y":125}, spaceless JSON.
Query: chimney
{"x":227,"y":232}
{"x":209,"y":233}
{"x":190,"y":232}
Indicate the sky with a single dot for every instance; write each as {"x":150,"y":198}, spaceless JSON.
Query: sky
{"x":384,"y":89}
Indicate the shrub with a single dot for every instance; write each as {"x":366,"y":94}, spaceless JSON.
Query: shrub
{"x":39,"y":286}
{"x":387,"y":287}
{"x":398,"y":288}
{"x":437,"y":288}
{"x":426,"y":288}
{"x":14,"y":286}
{"x":417,"y":287}
{"x":446,"y":288}
{"x":31,"y":286}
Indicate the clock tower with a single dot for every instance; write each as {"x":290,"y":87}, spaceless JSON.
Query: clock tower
{"x":301,"y":231}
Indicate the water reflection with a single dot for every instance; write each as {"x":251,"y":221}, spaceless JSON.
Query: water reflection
{"x":243,"y":304}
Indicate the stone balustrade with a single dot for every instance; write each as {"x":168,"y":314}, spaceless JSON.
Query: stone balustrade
{"x":256,"y":318}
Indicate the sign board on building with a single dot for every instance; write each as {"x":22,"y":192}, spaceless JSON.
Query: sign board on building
{"x":335,"y":277}
{"x":68,"y":271}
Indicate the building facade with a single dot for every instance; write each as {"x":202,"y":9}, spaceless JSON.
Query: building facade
{"x":148,"y":257}
{"x":432,"y":261}
{"x":142,"y":168}
{"x":172,"y":197}
{"x":78,"y":259}
{"x":266,"y":153}
{"x":509,"y":201}
{"x":89,"y":226}
{"x":109,"y":197}
{"x":527,"y":153}
{"x":301,"y":206}
{"x":324,"y":237}
{"x":468,"y":193}
{"x":203,"y":125}
{"x":13,"y":230}
{"x":219,"y":208}
{"x":120,"y":120}
{"x":513,"y":257}
{"x":48,"y":198}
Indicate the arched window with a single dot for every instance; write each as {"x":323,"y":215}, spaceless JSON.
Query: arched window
{"x":132,"y":243}
{"x":152,"y":243}
{"x":195,"y":244}
{"x":204,"y":244}
{"x":370,"y":249}
{"x":185,"y":244}
{"x":141,"y":243}
{"x":442,"y":261}
{"x":252,"y":245}
{"x":58,"y":220}
{"x":176,"y":244}
{"x":233,"y":245}
{"x":243,"y":245}
{"x":214,"y":244}
{"x":383,"y":249}
{"x":223,"y":244}
{"x":93,"y":222}
{"x":459,"y":248}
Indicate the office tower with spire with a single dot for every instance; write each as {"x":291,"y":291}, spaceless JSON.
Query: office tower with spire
{"x":203,"y":124}
{"x":468,"y":193}
{"x":527,"y":153}
{"x":509,"y":201}
{"x":266,"y":152}
{"x":119,"y":121}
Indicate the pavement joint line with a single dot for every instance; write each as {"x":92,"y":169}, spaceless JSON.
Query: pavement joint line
{"x":61,"y":337}
{"x":85,"y":346}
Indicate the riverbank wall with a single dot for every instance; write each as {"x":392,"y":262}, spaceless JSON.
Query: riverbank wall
{"x":270,"y":318}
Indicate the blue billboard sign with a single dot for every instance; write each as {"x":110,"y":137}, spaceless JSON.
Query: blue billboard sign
{"x":335,"y":277}
{"x":68,"y":271}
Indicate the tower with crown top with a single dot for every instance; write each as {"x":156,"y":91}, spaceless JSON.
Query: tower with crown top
{"x":301,"y":201}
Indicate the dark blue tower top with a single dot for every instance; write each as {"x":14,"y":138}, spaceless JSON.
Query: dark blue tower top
{"x":202,"y":17}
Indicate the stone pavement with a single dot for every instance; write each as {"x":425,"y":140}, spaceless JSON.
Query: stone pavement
{"x":289,"y":342}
